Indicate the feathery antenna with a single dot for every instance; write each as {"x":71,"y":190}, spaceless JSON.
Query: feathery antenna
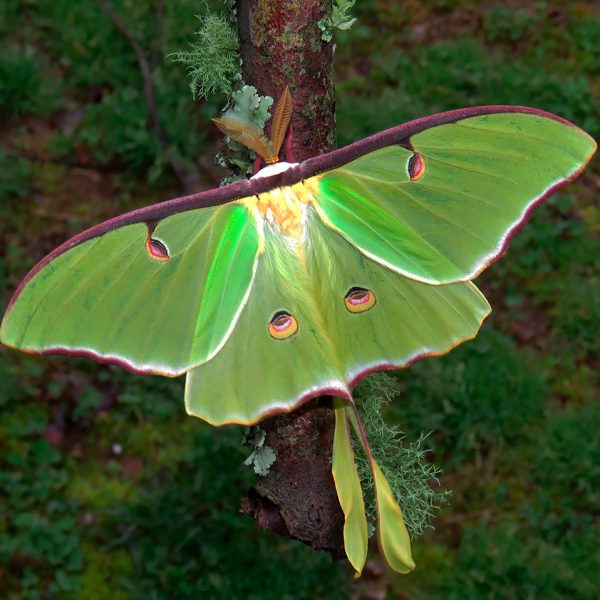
{"x":281,"y":119}
{"x":248,"y":134}
{"x":253,"y":137}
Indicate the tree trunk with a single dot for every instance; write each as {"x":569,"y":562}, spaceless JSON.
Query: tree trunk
{"x":281,"y":45}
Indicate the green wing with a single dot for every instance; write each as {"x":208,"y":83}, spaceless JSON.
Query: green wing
{"x":156,"y":307}
{"x":332,"y":347}
{"x":443,"y":205}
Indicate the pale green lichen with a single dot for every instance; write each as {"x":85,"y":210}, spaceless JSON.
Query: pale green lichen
{"x":248,"y":105}
{"x":263,"y":456}
{"x":213,"y":59}
{"x":215,"y":66}
{"x":340,"y":19}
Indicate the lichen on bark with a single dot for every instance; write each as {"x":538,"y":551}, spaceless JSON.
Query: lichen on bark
{"x":281,"y":44}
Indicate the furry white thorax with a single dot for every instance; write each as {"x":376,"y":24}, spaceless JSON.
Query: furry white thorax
{"x":274,"y":169}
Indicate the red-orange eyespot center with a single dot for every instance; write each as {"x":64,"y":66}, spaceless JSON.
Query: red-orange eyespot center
{"x":416,"y":166}
{"x":283,"y":325}
{"x":156,"y":249}
{"x":359,"y":299}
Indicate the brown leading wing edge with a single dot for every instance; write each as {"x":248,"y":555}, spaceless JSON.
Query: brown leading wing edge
{"x":313,"y":166}
{"x":400,"y":134}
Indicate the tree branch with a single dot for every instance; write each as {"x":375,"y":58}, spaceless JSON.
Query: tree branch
{"x":158,"y":40}
{"x":281,"y":44}
{"x":147,"y":75}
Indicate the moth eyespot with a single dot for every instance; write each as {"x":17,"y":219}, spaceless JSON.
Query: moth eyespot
{"x":416,"y":166}
{"x":156,"y":249}
{"x":359,"y":299}
{"x":282,"y":325}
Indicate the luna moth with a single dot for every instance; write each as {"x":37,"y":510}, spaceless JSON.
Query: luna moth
{"x":303,"y":279}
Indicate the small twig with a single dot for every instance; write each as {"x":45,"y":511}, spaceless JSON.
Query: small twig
{"x":143,"y":64}
{"x":153,"y":119}
{"x":158,"y":40}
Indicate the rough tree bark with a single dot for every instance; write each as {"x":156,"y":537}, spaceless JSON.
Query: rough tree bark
{"x":281,"y":45}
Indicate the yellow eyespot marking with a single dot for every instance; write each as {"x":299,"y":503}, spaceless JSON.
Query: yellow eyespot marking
{"x":359,"y":300}
{"x":283,"y":325}
{"x":156,"y":249}
{"x":416,"y":166}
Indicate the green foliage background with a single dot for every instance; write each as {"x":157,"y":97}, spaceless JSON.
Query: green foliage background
{"x":107,"y":490}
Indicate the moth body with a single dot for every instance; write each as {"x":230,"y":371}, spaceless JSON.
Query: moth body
{"x":284,"y":209}
{"x":274,"y":169}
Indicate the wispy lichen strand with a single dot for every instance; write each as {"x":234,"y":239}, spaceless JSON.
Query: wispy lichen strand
{"x":213,"y":60}
{"x":215,"y":66}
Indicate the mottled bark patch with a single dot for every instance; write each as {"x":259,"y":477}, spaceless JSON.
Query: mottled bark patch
{"x":281,"y":45}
